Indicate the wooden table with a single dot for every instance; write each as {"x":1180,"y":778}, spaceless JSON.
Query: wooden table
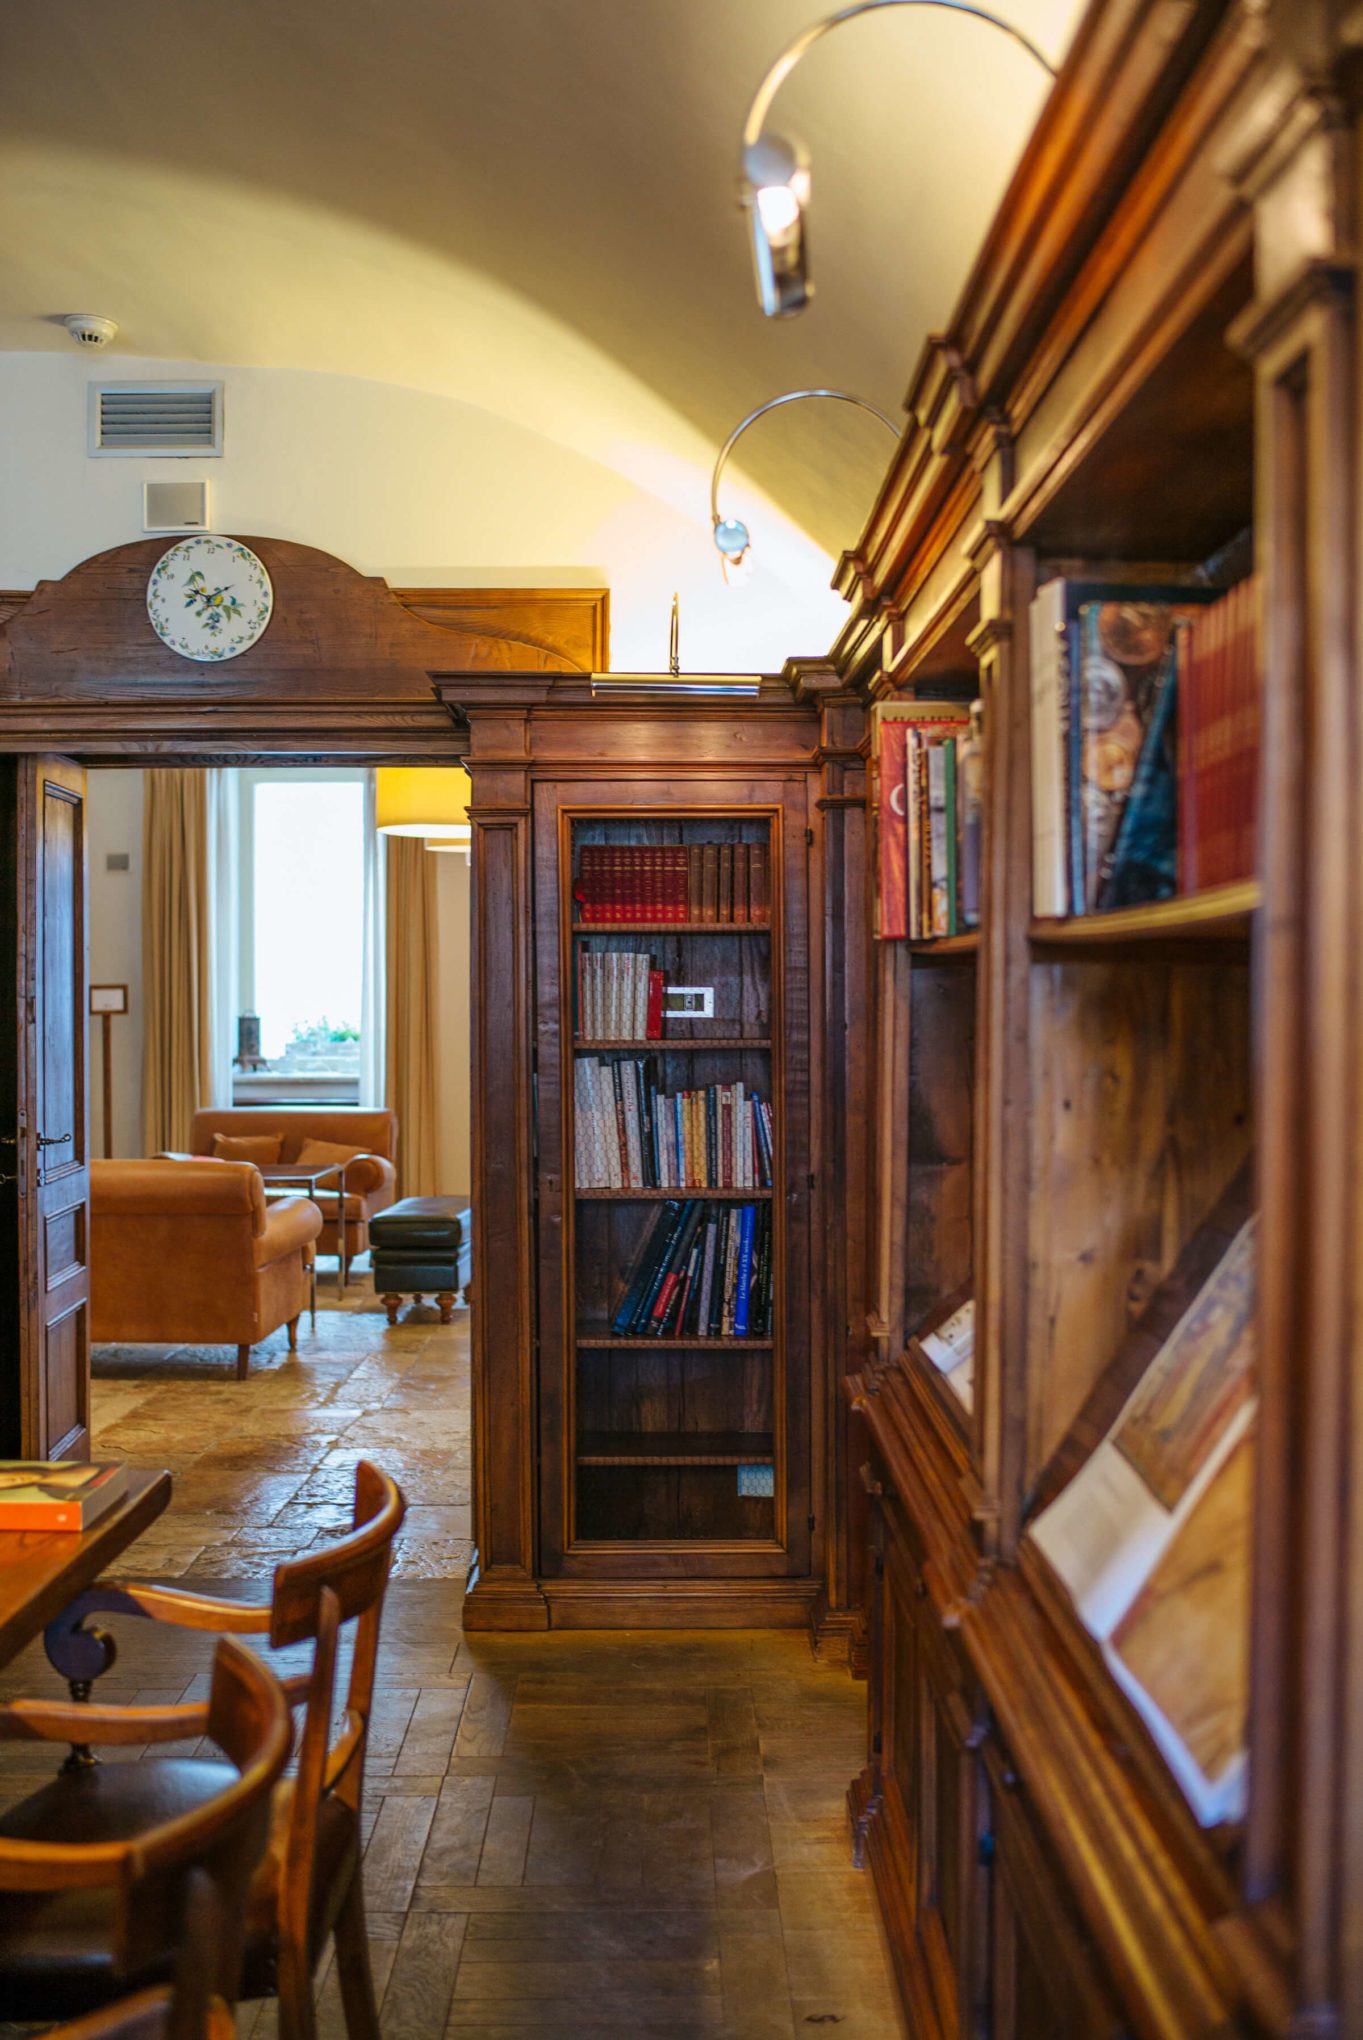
{"x":42,"y":1571}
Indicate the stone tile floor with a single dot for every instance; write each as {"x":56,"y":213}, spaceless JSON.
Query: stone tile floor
{"x":612,"y":1834}
{"x":263,"y":1467}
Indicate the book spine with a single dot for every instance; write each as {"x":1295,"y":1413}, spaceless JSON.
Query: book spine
{"x":654,"y":1012}
{"x":953,"y":910}
{"x":672,"y":1274}
{"x":643,"y":1315}
{"x":1045,"y":628}
{"x":694,"y":885}
{"x":730,"y":1272}
{"x":741,"y":884}
{"x":709,"y":882}
{"x":725,"y":910}
{"x":939,"y":913}
{"x":891,"y":821}
{"x":707,"y":1275}
{"x":759,"y":883}
{"x":743,"y":1280}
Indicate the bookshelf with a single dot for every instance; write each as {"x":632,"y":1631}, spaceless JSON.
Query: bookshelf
{"x":678,"y":1422}
{"x":1088,"y":1797}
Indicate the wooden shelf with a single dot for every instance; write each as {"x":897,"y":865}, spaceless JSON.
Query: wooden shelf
{"x":675,"y":1448}
{"x":645,"y":1344}
{"x":671,"y":927}
{"x":728,"y":1041}
{"x":1225,"y":912}
{"x":965,"y":944}
{"x":686,"y":1192}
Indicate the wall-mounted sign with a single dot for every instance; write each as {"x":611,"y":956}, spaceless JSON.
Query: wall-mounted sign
{"x":108,"y":998}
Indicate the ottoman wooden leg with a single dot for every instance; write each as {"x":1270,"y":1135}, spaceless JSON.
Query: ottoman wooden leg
{"x":390,"y":1304}
{"x":293,"y":1334}
{"x":243,"y":1361}
{"x":446,"y":1301}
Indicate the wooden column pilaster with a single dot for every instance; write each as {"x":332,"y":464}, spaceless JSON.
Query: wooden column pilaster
{"x":841,"y":1171}
{"x":503,"y":1593}
{"x":1001,"y":1172}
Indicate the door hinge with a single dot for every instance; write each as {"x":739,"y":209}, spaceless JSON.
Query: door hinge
{"x":811,"y":1525}
{"x":809,"y":839}
{"x":811,"y":1179}
{"x":877,"y":1743}
{"x":985,"y":1850}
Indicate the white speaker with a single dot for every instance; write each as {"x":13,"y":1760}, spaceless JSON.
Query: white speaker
{"x":175,"y":506}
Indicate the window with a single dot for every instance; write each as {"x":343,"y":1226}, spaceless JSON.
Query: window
{"x":301,"y":840}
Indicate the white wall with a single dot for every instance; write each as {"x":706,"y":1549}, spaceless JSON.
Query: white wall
{"x":424,"y":490}
{"x":114,"y":822}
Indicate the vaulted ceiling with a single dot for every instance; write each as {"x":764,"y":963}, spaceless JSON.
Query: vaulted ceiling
{"x":519,"y":202}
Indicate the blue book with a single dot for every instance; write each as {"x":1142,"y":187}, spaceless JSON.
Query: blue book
{"x":743,"y":1281}
{"x":645,"y":1268}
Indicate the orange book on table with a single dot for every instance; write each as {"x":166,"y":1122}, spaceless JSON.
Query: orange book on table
{"x":58,"y":1494}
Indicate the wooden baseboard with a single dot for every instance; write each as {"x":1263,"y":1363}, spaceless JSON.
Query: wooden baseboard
{"x":503,"y":1600}
{"x":679,"y":1604}
{"x":839,"y":1637}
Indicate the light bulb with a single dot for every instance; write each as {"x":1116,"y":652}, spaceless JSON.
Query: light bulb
{"x":731,"y":536}
{"x":780,"y":209}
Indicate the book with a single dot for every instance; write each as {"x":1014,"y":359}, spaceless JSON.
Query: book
{"x":688,"y":1271}
{"x":1220,"y":691}
{"x":1142,"y":864}
{"x":1151,"y":1538}
{"x":899,"y":731}
{"x":970,"y":816}
{"x":58,"y":1494}
{"x":1103,"y":657}
{"x":950,"y":1346}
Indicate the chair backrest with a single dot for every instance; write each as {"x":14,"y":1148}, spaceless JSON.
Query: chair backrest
{"x":374,"y":1129}
{"x":312,"y":1597}
{"x":192,"y":1872}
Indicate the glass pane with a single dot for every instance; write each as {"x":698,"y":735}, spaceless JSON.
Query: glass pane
{"x":308,"y":898}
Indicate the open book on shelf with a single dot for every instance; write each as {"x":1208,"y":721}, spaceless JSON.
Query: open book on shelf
{"x":1151,"y":1538}
{"x":947,"y":1340}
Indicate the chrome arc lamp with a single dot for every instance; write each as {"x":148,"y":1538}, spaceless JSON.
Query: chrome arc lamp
{"x":774,"y":186}
{"x":732,"y":537}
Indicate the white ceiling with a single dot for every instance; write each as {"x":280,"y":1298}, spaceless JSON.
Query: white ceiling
{"x":528,"y":204}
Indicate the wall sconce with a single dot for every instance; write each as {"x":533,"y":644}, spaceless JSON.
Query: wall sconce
{"x":775,"y":183}
{"x":732,"y":537}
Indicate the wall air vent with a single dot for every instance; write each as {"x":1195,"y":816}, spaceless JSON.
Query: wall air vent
{"x":166,"y":419}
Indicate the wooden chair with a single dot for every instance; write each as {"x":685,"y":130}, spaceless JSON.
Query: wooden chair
{"x":309,"y":1884}
{"x":190,"y":2009}
{"x":98,"y":1902}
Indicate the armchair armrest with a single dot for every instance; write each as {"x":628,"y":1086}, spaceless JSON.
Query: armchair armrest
{"x":290,"y":1223}
{"x":365,"y":1173}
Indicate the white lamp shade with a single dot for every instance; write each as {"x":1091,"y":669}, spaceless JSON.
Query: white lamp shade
{"x":422,"y":800}
{"x":457,"y":839}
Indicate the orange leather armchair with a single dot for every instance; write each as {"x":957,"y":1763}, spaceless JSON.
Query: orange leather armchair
{"x":371,"y":1181}
{"x":188,"y":1251}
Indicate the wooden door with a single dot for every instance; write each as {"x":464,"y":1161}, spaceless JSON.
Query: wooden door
{"x":44,"y":1117}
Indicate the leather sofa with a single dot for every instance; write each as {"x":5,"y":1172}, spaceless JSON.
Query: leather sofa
{"x":371,"y":1181}
{"x":189,"y":1252}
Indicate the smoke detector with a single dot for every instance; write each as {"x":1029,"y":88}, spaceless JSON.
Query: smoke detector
{"x":88,"y":329}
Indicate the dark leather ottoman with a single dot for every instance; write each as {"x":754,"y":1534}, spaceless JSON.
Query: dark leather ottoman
{"x":421,"y":1246}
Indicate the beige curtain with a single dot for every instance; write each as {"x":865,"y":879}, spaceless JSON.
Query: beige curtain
{"x":177,"y":1039}
{"x":413,"y":970}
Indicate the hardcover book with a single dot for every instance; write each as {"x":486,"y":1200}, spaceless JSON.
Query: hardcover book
{"x":58,"y":1494}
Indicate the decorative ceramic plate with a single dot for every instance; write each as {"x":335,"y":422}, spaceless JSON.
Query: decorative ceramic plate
{"x":209,"y":598}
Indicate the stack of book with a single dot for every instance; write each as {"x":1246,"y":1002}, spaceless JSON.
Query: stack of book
{"x":630,"y":1135}
{"x":703,"y":1272}
{"x":619,"y":997}
{"x":1145,"y":736}
{"x":629,"y":883}
{"x":1218,"y":778}
{"x":930,"y":807}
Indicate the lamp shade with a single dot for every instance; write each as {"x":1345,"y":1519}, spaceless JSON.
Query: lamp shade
{"x":457,"y":839}
{"x":421,"y":800}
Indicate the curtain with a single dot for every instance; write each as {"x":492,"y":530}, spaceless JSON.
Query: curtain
{"x":373,"y":965}
{"x":222,"y":836}
{"x":177,"y":974}
{"x":413,"y":971}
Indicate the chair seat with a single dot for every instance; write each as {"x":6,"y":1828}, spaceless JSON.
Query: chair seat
{"x":55,"y":1948}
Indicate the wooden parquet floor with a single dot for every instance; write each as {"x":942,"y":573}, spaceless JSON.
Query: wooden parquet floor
{"x":567,"y":1834}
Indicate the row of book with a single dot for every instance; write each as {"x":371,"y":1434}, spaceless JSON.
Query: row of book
{"x":703,"y":1272}
{"x":930,"y":759}
{"x":644,"y":882}
{"x":619,"y":996}
{"x":1145,"y":743}
{"x":630,"y":1135}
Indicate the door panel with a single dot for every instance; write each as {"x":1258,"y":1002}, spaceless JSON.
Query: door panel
{"x":44,"y":1157}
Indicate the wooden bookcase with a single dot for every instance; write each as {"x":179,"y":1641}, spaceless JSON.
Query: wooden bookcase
{"x":1066,"y":1107}
{"x":608,"y":1462}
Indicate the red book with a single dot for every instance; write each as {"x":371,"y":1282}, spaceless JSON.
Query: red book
{"x":893,"y":823}
{"x":655,"y":1005}
{"x":677,"y":881}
